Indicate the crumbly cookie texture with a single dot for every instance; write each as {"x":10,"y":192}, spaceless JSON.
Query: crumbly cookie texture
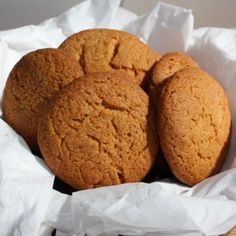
{"x":168,"y":64}
{"x":194,"y":125}
{"x":30,"y":86}
{"x":102,"y":50}
{"x":100,"y":131}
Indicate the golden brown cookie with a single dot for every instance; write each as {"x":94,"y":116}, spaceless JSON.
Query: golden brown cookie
{"x":167,"y":66}
{"x":30,"y":86}
{"x":99,"y":131}
{"x":101,"y":50}
{"x":193,"y":125}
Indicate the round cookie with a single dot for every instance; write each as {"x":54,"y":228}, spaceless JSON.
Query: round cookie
{"x":30,"y":86}
{"x":100,"y":131}
{"x":106,"y":50}
{"x":167,"y":66}
{"x":194,"y":125}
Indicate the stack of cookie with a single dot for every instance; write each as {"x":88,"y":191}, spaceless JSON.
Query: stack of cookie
{"x":86,"y":107}
{"x":194,"y":122}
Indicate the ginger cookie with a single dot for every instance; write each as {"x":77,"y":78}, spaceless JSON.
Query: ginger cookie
{"x":106,"y":50}
{"x":30,"y":86}
{"x":194,"y":125}
{"x":166,"y":67}
{"x":99,"y":131}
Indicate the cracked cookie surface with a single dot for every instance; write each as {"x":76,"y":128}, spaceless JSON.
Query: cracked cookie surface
{"x":194,"y":125}
{"x":30,"y":86}
{"x":100,"y":131}
{"x":168,"y":64}
{"x":102,"y":50}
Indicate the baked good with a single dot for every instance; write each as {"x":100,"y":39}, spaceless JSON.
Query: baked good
{"x":194,"y":125}
{"x":99,"y":131}
{"x":30,"y":86}
{"x":168,"y":64}
{"x":106,"y":50}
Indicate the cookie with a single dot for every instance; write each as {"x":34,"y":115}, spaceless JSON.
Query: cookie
{"x":100,"y":131}
{"x":167,"y":66}
{"x":106,"y":50}
{"x":194,"y":125}
{"x":30,"y":86}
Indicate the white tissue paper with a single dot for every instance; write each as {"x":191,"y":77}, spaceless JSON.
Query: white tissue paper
{"x":28,"y":204}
